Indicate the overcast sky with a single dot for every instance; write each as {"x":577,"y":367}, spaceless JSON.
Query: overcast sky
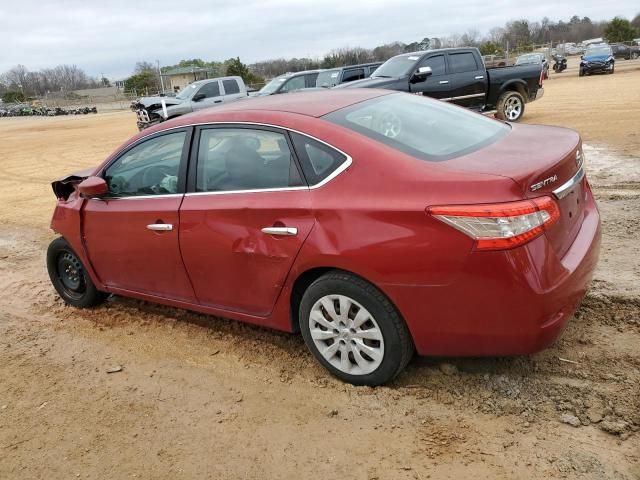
{"x":110,"y":36}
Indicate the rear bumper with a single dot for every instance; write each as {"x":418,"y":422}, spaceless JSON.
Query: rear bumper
{"x":511,"y":302}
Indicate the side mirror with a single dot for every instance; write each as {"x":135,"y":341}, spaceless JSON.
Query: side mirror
{"x":93,"y":187}
{"x":198,"y":96}
{"x":421,"y":74}
{"x":581,"y":57}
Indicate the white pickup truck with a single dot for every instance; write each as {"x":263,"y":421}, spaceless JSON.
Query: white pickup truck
{"x":195,"y":96}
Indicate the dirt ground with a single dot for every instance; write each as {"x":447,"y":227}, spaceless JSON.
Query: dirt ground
{"x":201,"y":397}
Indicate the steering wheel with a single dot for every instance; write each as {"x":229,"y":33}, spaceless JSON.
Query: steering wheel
{"x":155,"y":174}
{"x":389,"y":124}
{"x":118,"y":184}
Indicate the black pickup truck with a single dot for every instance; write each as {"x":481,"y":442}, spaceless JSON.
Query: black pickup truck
{"x":458,"y":75}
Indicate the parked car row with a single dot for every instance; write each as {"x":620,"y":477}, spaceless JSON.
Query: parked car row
{"x":453,"y":75}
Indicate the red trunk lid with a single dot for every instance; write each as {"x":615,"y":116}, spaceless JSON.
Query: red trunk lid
{"x":540,"y":160}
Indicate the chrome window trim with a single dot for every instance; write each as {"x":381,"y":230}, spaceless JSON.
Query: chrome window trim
{"x":139,"y":197}
{"x":343,"y":166}
{"x":565,"y":189}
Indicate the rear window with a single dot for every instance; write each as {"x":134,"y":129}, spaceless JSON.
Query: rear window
{"x":423,"y":128}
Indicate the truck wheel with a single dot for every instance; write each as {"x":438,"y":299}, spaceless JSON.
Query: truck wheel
{"x":70,"y":278}
{"x":353,"y":330}
{"x":510,"y":106}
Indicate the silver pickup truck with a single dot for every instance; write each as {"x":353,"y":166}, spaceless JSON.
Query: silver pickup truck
{"x":195,"y":96}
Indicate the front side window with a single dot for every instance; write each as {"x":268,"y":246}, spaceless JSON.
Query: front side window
{"x":210,"y":90}
{"x":462,"y":62}
{"x":231,"y":159}
{"x":230,"y":87}
{"x":149,"y":168}
{"x":420,"y":127}
{"x":294,"y":83}
{"x":436,"y":63}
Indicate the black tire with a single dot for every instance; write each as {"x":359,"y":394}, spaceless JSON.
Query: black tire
{"x":581,"y":73}
{"x":70,"y":278}
{"x":505,"y":99}
{"x":612,"y":69}
{"x":398,"y":346}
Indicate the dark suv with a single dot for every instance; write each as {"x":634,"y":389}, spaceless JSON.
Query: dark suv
{"x":335,"y":76}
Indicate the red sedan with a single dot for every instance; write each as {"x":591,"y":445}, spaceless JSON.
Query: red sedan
{"x":376,"y":223}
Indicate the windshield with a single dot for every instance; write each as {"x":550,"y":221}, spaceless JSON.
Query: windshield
{"x":186,"y":92}
{"x":397,"y":66}
{"x":272,"y":86}
{"x":597,"y":51}
{"x":328,"y":78}
{"x":423,"y":128}
{"x":527,"y":59}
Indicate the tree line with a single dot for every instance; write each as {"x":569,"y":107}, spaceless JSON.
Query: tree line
{"x":517,"y":35}
{"x":19,"y":83}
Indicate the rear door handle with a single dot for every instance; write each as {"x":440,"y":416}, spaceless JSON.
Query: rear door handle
{"x":160,"y":227}
{"x":443,"y":82}
{"x":217,"y":101}
{"x":285,"y":231}
{"x":479,"y":77}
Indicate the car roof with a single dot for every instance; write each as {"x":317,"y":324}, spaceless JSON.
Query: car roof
{"x":296,"y":74}
{"x":313,"y":103}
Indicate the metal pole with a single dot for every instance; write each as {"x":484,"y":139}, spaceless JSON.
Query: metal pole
{"x":160,"y":73}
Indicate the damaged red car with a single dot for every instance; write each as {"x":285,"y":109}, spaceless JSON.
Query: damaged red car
{"x":375,"y":223}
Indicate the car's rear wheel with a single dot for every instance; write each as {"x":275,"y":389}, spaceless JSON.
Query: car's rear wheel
{"x":353,"y":330}
{"x":69,"y":276}
{"x":510,"y":106}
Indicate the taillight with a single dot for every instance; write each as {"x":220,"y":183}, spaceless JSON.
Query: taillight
{"x":499,"y":226}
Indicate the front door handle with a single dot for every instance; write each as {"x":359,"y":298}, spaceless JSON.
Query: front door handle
{"x":285,"y":231}
{"x":479,"y":77}
{"x":217,"y":101}
{"x":160,"y":227}
{"x":443,"y":82}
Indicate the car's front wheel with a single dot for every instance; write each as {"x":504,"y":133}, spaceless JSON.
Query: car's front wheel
{"x":353,"y":329}
{"x":69,"y":276}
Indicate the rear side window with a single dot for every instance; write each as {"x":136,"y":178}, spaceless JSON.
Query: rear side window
{"x":230,"y":87}
{"x":233,"y":159}
{"x":318,"y":160}
{"x":310,"y":80}
{"x":210,"y":90}
{"x":354,"y":74}
{"x":462,"y":62}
